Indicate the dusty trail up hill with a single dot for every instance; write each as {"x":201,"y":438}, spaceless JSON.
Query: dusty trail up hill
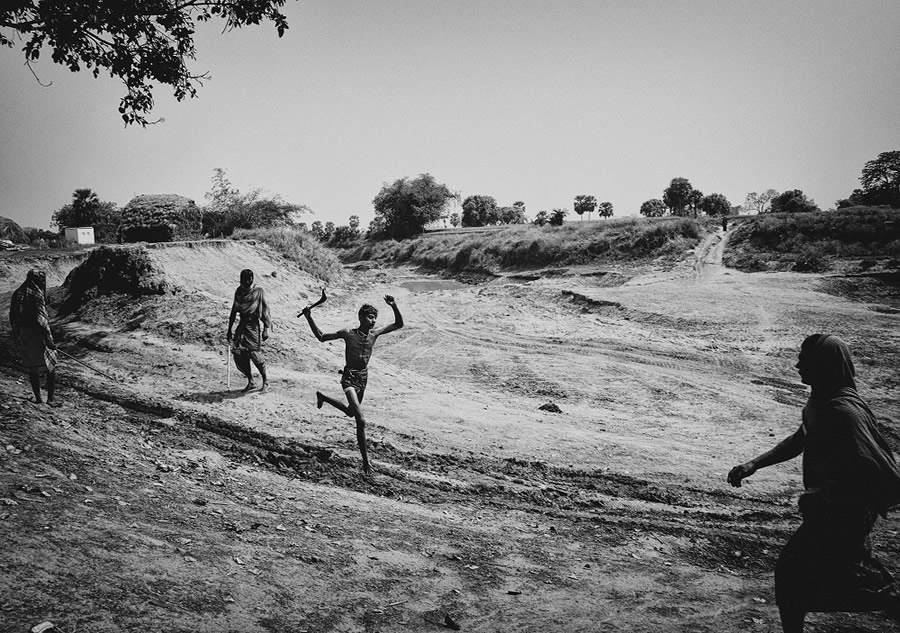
{"x":163,"y":501}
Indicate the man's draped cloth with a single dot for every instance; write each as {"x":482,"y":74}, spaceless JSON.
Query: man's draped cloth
{"x":30,"y":322}
{"x":251,"y":304}
{"x":850,"y":476}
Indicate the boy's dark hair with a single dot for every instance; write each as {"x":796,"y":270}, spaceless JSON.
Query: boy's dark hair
{"x":368,"y":308}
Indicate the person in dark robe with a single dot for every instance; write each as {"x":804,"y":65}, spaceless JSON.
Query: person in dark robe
{"x":358,"y":345}
{"x":253,"y":328}
{"x":850,"y":477}
{"x":31,"y":326}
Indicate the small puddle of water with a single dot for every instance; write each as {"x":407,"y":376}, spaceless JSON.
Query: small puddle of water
{"x":432,"y":285}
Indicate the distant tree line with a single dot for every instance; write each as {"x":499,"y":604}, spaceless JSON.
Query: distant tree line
{"x":681,"y":199}
{"x":407,"y":206}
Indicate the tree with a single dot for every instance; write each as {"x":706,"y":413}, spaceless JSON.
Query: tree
{"x":605,"y":209}
{"x":677,"y":196}
{"x":694,"y":200}
{"x":793,"y":201}
{"x":354,"y":223}
{"x":86,"y":209}
{"x":557,"y":216}
{"x":376,"y":229}
{"x":881,"y":180}
{"x":404,"y":208}
{"x":654,"y":208}
{"x":140,"y":42}
{"x":317,"y":230}
{"x":229,"y":209}
{"x":454,"y":220}
{"x":106,"y":224}
{"x":82,"y":211}
{"x":585,"y":204}
{"x":541,"y":218}
{"x":512,"y":215}
{"x":344,"y":236}
{"x":760,"y":202}
{"x":480,"y":211}
{"x":715,"y":204}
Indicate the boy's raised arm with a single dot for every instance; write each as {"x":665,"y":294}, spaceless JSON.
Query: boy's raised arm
{"x":307,"y":312}
{"x":398,"y":318}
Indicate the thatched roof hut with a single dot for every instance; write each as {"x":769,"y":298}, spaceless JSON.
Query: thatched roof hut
{"x":163,"y":217}
{"x":11,"y":231}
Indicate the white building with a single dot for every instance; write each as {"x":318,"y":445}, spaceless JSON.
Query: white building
{"x":80,"y":235}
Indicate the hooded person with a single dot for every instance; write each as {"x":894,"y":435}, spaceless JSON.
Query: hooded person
{"x":850,"y":477}
{"x":31,"y":326}
{"x":250,"y":303}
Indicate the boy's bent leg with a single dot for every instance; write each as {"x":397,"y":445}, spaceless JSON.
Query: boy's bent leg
{"x":340,"y":406}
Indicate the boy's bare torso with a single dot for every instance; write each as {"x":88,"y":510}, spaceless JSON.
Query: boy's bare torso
{"x":359,"y":347}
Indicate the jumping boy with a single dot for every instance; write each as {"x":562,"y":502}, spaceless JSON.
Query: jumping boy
{"x":358,"y":350}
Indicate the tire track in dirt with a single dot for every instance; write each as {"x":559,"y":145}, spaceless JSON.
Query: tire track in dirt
{"x":529,"y":486}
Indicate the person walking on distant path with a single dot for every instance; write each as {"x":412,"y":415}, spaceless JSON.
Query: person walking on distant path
{"x":253,"y":328}
{"x":358,"y":345}
{"x":850,"y":477}
{"x":31,"y":325}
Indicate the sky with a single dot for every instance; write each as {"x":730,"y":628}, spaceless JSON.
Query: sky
{"x":528,"y":100}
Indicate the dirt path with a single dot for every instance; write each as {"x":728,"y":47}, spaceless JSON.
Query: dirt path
{"x":194,"y":508}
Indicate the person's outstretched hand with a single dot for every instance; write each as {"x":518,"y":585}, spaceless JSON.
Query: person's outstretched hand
{"x":740,"y":472}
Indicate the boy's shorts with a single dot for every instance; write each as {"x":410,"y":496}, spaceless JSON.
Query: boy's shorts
{"x":355,"y":379}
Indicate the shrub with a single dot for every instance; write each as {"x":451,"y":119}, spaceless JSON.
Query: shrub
{"x":809,"y":238}
{"x":298,"y":246}
{"x":532,"y":246}
{"x":812,"y":260}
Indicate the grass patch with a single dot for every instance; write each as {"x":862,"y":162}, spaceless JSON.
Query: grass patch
{"x":298,"y":246}
{"x":809,"y":242}
{"x":519,"y":247}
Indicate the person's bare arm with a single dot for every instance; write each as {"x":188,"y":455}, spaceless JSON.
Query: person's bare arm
{"x":331,"y":336}
{"x":398,"y":318}
{"x":265,"y":316}
{"x":787,"y":449}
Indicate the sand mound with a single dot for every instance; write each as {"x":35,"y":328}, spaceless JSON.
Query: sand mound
{"x":112,"y":271}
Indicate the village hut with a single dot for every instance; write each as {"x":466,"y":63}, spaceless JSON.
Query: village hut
{"x":11,"y":231}
{"x":160,"y":218}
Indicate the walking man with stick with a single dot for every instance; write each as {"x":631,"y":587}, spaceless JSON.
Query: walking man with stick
{"x":253,"y":328}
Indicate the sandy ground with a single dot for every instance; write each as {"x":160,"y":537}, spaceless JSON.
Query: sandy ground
{"x":158,"y":499}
